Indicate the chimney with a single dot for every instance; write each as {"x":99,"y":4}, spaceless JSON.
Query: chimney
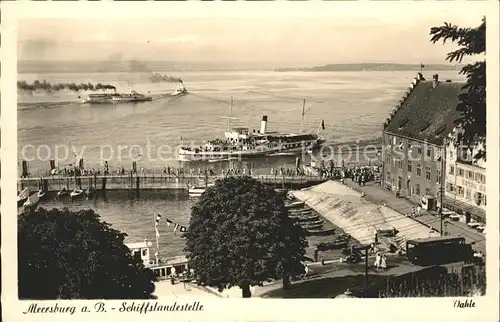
{"x":263,"y":124}
{"x":435,"y":80}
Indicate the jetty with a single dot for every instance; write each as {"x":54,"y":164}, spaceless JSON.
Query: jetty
{"x":144,"y":182}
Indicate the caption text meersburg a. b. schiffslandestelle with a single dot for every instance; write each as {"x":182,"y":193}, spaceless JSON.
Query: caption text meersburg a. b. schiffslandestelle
{"x":102,"y":307}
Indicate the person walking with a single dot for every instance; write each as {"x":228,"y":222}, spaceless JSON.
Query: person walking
{"x":377,"y":261}
{"x":383,"y":262}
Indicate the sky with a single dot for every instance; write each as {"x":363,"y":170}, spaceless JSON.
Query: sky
{"x":313,"y":39}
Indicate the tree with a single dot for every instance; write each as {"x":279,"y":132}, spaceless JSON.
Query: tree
{"x":240,"y":235}
{"x":472,"y":103}
{"x":74,"y":255}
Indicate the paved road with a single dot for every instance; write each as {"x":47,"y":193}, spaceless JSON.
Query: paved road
{"x":378,"y":195}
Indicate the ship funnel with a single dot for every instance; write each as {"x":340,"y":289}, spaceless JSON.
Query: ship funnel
{"x":263,"y":124}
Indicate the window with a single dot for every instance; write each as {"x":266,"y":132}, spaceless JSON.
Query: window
{"x":417,"y":189}
{"x":409,"y":167}
{"x":479,"y":198}
{"x":427,"y":191}
{"x":452,"y":170}
{"x":460,"y":191}
{"x":447,"y":186}
{"x":470,"y":175}
{"x":388,"y":139}
{"x":388,"y":176}
{"x":460,"y":172}
{"x":428,"y":173}
{"x":438,"y":174}
{"x":429,"y":153}
{"x":419,"y":170}
{"x":393,"y":162}
{"x":400,"y":165}
{"x":467,"y":194}
{"x":394,"y":140}
{"x":388,"y":160}
{"x":484,"y":200}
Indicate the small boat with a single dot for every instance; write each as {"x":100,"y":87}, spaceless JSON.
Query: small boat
{"x":63,"y":192}
{"x":76,"y":193}
{"x":305,"y":219}
{"x":320,"y":231}
{"x":295,"y":204}
{"x":300,"y":211}
{"x":32,"y":202}
{"x":313,"y":226}
{"x":181,"y":90}
{"x":197,"y":191}
{"x":41,"y":194}
{"x":23,"y":196}
{"x":337,"y":243}
{"x":161,"y":267}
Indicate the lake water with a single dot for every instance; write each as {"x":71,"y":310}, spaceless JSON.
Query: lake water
{"x":353,"y":106}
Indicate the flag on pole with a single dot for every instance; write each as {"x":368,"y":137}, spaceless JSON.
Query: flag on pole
{"x":175,"y":228}
{"x":422,"y":66}
{"x":322,"y":124}
{"x":169,"y":222}
{"x":158,"y":217}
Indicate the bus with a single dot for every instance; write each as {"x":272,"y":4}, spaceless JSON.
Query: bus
{"x":438,"y":250}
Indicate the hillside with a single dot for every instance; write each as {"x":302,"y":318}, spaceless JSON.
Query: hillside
{"x":366,"y":67}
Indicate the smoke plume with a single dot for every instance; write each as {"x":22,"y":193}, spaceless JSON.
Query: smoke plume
{"x":158,"y":78}
{"x":48,"y":87}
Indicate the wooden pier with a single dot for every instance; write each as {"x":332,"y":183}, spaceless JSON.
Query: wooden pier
{"x":138,"y":182}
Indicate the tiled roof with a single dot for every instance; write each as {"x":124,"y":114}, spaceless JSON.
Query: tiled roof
{"x":427,"y":113}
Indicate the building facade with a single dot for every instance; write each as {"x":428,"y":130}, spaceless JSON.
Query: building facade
{"x":412,"y":168}
{"x":414,"y":138}
{"x":465,"y":184}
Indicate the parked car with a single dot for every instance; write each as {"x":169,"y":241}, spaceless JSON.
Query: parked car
{"x":447,"y":213}
{"x":455,"y":217}
{"x":481,"y":228}
{"x":473,"y":224}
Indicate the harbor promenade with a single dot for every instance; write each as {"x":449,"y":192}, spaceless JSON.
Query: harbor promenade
{"x":139,"y":182}
{"x":378,"y":195}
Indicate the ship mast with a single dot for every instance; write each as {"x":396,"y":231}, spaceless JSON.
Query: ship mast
{"x":229,"y":117}
{"x":303,"y":113}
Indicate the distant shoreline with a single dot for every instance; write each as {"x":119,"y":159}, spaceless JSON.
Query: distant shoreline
{"x":368,"y":67}
{"x":45,"y":67}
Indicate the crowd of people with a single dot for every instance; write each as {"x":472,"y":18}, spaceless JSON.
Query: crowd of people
{"x":359,"y":174}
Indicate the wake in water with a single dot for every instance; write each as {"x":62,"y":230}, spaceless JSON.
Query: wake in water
{"x":33,"y":105}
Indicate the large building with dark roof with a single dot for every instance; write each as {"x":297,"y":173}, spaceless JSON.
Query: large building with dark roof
{"x":414,"y":135}
{"x":419,"y":141}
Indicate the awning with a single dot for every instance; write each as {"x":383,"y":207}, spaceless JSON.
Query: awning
{"x":457,"y":204}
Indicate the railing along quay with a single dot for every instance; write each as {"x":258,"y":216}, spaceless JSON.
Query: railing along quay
{"x":152,"y":182}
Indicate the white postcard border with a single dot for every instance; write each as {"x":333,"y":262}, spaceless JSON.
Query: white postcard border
{"x":244,"y":309}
